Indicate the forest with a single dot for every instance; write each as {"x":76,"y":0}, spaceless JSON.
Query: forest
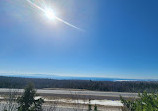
{"x":116,"y":86}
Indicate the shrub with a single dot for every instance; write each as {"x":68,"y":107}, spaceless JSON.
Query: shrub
{"x":145,"y":102}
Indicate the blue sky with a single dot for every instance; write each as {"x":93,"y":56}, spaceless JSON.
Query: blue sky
{"x":120,"y":38}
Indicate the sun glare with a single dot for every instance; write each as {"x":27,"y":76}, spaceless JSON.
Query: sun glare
{"x":50,"y":14}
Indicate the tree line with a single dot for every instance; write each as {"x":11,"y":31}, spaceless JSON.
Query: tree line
{"x":119,"y":86}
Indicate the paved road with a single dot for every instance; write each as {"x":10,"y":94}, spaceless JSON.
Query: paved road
{"x":77,"y":92}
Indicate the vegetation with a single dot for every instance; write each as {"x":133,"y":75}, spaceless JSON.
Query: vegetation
{"x":89,"y":106}
{"x":124,"y":86}
{"x":27,"y":101}
{"x":95,"y":108}
{"x":145,"y":102}
{"x":10,"y":100}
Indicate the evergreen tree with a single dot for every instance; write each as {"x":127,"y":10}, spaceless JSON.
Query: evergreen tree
{"x":27,"y":101}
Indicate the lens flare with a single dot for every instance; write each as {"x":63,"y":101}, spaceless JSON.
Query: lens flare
{"x":50,"y":14}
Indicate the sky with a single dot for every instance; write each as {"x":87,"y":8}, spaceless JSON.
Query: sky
{"x":119,"y":38}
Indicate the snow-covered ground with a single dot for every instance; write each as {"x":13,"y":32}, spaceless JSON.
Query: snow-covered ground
{"x":92,"y":102}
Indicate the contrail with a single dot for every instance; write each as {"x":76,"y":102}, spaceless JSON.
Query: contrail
{"x":57,"y":18}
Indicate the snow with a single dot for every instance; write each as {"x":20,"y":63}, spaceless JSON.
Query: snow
{"x":93,"y":102}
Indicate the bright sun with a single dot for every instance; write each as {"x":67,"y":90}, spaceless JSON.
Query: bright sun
{"x":50,"y":14}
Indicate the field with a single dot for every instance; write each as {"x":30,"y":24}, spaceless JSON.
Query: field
{"x":72,"y":99}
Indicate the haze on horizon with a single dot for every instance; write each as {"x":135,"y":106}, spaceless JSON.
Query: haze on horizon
{"x":120,"y":38}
